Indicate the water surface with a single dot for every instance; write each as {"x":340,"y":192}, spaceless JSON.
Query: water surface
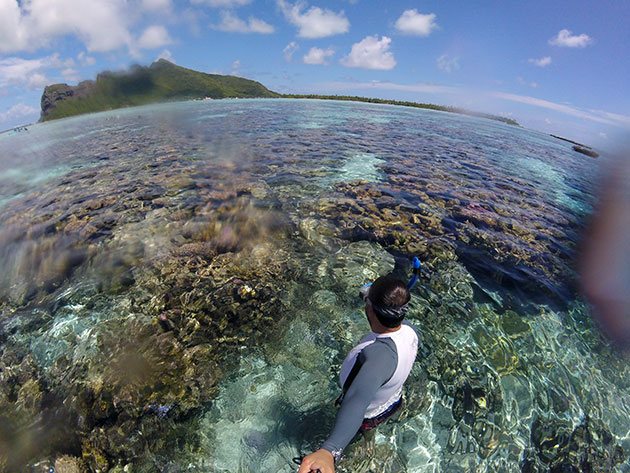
{"x":180,"y":281}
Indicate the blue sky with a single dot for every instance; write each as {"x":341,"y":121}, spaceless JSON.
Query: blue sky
{"x":559,"y":67}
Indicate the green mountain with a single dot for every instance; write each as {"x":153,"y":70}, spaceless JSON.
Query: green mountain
{"x":161,"y":81}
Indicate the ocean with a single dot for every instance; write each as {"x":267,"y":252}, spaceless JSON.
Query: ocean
{"x":180,"y":283}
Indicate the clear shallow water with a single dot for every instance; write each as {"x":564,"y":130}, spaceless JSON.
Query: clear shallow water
{"x":180,"y":287}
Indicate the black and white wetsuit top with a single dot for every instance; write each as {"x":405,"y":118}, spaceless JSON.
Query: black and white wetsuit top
{"x":372,"y":376}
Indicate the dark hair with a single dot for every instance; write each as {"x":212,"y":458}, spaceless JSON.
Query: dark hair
{"x":389,"y":297}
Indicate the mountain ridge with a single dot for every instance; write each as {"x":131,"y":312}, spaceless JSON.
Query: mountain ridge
{"x":140,"y":85}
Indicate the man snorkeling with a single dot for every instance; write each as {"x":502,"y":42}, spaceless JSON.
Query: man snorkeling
{"x":373,"y":373}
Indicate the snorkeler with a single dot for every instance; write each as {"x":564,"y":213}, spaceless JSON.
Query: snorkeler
{"x":373,"y":373}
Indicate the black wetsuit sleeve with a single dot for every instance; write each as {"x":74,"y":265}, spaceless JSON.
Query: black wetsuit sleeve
{"x":378,"y":363}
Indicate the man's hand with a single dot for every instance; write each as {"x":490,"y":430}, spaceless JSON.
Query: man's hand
{"x":321,"y":460}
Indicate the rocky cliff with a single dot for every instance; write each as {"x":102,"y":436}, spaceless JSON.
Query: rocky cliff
{"x":53,"y":94}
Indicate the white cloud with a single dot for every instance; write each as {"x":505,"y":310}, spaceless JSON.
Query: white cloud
{"x":165,"y":54}
{"x":192,"y":18}
{"x":34,"y":74}
{"x":85,"y":60}
{"x":157,"y":5}
{"x":623,"y":119}
{"x":221,"y":3}
{"x":318,"y":56}
{"x":259,"y":26}
{"x":13,"y":33}
{"x":59,"y":63}
{"x":17,"y":69}
{"x":70,"y":75}
{"x":37,"y":81}
{"x":448,"y":63}
{"x":603,"y":135}
{"x":542,"y":62}
{"x":19,"y":72}
{"x":598,"y":116}
{"x":418,"y":88}
{"x":412,"y":22}
{"x":290,"y":50}
{"x":314,"y":22}
{"x":233,"y":24}
{"x":236,"y":66}
{"x":522,"y":81}
{"x":154,"y":37}
{"x":371,"y":53}
{"x":18,"y":111}
{"x":565,"y":38}
{"x":102,"y":25}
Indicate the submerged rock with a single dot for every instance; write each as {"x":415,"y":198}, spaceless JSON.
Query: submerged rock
{"x":585,"y":150}
{"x":521,"y":255}
{"x":588,"y":447}
{"x":355,"y":265}
{"x":68,"y":464}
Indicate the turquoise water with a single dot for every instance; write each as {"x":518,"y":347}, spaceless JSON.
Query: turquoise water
{"x":180,"y":284}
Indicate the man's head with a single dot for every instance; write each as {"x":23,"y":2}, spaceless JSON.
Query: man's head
{"x":388,"y":298}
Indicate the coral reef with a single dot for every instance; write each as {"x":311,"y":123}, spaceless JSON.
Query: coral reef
{"x":559,"y":448}
{"x":526,"y":256}
{"x":175,"y":293}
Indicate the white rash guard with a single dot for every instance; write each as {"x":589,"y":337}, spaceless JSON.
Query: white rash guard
{"x":372,"y":376}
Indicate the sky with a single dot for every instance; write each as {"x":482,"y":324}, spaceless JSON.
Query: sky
{"x":560,"y":67}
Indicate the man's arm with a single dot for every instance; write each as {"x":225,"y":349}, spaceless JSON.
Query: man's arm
{"x":378,"y":363}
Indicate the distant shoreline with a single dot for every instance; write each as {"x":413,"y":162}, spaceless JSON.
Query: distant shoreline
{"x":579,"y":147}
{"x":403,"y":103}
{"x":17,"y":129}
{"x":340,"y":98}
{"x":166,"y":81}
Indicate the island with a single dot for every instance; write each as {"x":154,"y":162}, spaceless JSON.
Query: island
{"x":164,"y":81}
{"x":404,"y":103}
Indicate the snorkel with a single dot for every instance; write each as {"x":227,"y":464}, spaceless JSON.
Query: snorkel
{"x":416,"y":272}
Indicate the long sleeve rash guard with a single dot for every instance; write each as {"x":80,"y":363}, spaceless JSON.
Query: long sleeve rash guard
{"x":374,"y":366}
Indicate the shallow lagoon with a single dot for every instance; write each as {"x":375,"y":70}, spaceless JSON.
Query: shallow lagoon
{"x":179,"y":287}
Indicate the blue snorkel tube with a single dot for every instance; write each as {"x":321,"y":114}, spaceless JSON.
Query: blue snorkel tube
{"x":417,"y":269}
{"x":415,"y":276}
